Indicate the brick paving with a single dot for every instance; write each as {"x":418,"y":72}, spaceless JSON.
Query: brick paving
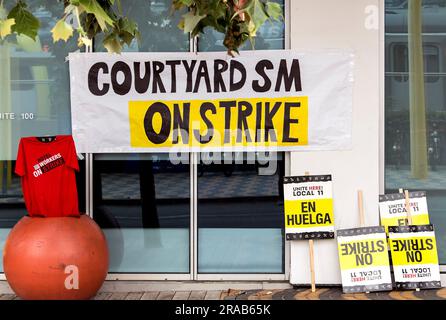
{"x":285,"y":294}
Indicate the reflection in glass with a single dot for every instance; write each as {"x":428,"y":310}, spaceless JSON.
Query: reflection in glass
{"x":397,"y":131}
{"x":34,"y":85}
{"x":240,"y":214}
{"x":142,"y":203}
{"x":34,"y":82}
{"x":240,"y":209}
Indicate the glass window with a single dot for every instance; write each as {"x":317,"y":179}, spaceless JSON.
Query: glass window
{"x":34,"y":74}
{"x":158,"y":27}
{"x":240,"y":201}
{"x":142,"y":201}
{"x":240,"y":213}
{"x":34,"y":86}
{"x":423,"y":167}
{"x":400,"y":60}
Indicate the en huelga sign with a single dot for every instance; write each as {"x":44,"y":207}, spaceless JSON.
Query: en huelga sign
{"x":308,"y":207}
{"x":364,"y":260}
{"x":262,"y":100}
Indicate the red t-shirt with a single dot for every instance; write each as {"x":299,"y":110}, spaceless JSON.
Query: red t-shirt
{"x":48,"y":177}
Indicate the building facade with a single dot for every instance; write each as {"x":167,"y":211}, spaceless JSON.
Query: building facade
{"x":210,"y":220}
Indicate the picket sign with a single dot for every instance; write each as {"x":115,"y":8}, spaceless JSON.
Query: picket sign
{"x":311,"y":247}
{"x":409,"y":214}
{"x":354,"y":245}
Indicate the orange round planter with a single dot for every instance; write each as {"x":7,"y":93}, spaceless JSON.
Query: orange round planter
{"x":56,"y":258}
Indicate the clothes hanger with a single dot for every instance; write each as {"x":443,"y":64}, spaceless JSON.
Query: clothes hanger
{"x":46,"y":138}
{"x":52,"y":138}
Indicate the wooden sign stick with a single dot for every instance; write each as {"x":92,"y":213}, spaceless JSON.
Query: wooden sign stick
{"x":361,"y":212}
{"x":313,"y":276}
{"x":311,"y":247}
{"x":409,"y":214}
{"x":361,"y":209}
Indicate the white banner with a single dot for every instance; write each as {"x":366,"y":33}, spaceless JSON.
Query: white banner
{"x":277,"y":100}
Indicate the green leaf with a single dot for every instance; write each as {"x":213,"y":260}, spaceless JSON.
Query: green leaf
{"x":112,"y":43}
{"x":93,"y":7}
{"x":84,"y":41}
{"x":5,"y":27}
{"x":62,"y":31}
{"x":257,"y":14}
{"x":69,"y":9}
{"x":176,"y":5}
{"x":181,"y":24}
{"x":25,"y":22}
{"x":187,"y":2}
{"x":191,"y":20}
{"x":251,"y":28}
{"x":126,"y":29}
{"x":274,"y":10}
{"x":125,"y":24}
{"x":126,"y":37}
{"x":119,"y":6}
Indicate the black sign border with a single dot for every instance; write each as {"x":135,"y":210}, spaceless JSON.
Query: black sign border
{"x":412,"y":228}
{"x":400,"y":196}
{"x":303,"y":179}
{"x":368,"y":288}
{"x":418,"y":285}
{"x":360,"y":231}
{"x":317,"y":235}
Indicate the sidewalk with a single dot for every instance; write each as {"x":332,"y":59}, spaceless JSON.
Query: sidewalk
{"x":285,"y":294}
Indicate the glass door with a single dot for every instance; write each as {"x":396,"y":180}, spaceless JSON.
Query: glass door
{"x":142,"y":203}
{"x":240,"y":214}
{"x":239,"y":196}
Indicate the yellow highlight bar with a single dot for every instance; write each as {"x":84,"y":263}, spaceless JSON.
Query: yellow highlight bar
{"x":425,"y":253}
{"x":417,"y":220}
{"x":254,"y":122}
{"x":376,"y":256}
{"x":309,"y":213}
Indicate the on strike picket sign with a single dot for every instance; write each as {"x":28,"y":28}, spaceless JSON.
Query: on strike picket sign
{"x":364,"y":260}
{"x":278,"y":100}
{"x":308,"y":207}
{"x":414,"y":257}
{"x":392,"y":209}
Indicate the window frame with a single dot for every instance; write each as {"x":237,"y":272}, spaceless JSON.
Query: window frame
{"x":193,"y":229}
{"x":382,"y":96}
